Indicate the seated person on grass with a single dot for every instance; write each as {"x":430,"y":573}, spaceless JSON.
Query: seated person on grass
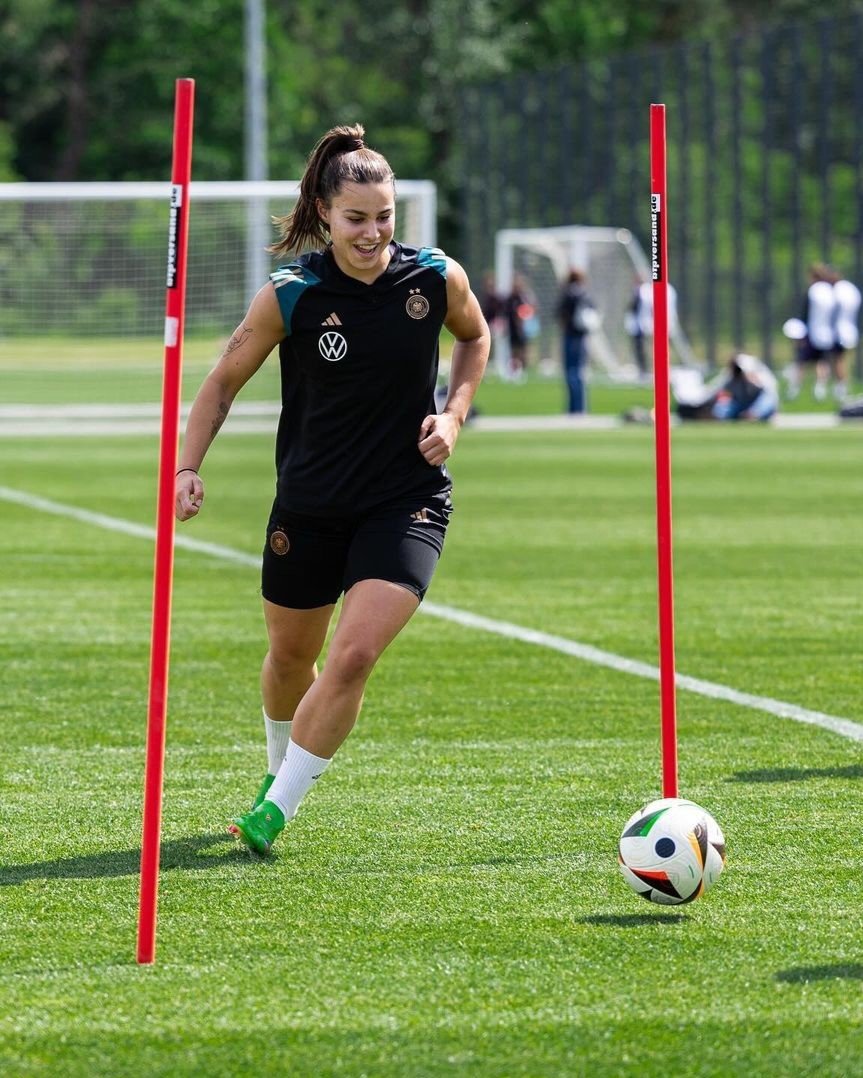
{"x":746,"y":389}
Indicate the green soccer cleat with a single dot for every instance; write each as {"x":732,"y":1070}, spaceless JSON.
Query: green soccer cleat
{"x":262,"y":793}
{"x":259,"y":828}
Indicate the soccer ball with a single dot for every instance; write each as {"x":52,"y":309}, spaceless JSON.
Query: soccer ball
{"x":671,"y":851}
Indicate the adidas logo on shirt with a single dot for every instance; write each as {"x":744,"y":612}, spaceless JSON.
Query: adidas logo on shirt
{"x":332,"y":320}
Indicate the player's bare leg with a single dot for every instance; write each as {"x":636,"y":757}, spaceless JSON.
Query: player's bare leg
{"x":373,"y":613}
{"x":289,"y":669}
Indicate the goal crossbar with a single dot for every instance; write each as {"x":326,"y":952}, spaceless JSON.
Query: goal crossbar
{"x":200,"y":189}
{"x":89,"y":257}
{"x":424,"y":192}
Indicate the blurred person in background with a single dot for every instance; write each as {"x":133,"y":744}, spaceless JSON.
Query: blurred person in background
{"x":519,"y":309}
{"x":749,"y":392}
{"x":846,"y":332}
{"x":490,"y":302}
{"x":578,"y":316}
{"x":746,"y":390}
{"x":638,"y":322}
{"x":815,"y":334}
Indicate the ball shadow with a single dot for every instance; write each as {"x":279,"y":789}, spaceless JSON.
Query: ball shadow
{"x":838,"y":971}
{"x":634,"y":920}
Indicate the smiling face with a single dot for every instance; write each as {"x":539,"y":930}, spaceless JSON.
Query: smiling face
{"x":361,"y":219}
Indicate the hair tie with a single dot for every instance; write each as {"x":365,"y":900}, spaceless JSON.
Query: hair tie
{"x":358,"y":144}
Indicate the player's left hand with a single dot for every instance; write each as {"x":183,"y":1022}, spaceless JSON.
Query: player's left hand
{"x":438,"y":434}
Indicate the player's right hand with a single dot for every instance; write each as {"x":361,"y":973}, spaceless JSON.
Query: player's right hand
{"x":188,"y":495}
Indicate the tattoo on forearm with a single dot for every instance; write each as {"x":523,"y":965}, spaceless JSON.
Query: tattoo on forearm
{"x":219,"y":420}
{"x":239,"y":337}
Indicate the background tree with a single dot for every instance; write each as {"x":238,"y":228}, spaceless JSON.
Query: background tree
{"x":86,"y":88}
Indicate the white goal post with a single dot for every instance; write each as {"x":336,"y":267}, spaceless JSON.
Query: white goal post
{"x":88,"y":259}
{"x":613,"y":262}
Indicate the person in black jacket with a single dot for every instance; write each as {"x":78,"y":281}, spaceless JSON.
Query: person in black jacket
{"x":578,"y":316}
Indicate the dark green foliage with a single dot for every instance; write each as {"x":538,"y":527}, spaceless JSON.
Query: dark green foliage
{"x":523,"y":113}
{"x":86,"y":89}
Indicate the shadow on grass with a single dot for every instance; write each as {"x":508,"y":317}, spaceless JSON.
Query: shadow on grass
{"x":838,"y":971}
{"x":190,"y":853}
{"x":798,"y":774}
{"x":634,"y":920}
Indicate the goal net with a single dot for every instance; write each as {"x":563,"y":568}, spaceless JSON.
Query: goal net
{"x":89,"y":259}
{"x":614,"y":263}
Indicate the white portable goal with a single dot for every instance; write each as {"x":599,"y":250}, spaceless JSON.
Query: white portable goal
{"x":89,"y":259}
{"x":613,"y":262}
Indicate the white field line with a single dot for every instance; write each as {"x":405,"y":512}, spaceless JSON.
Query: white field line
{"x":257,"y":417}
{"x":584,"y":652}
{"x":111,"y":420}
{"x":125,"y":527}
{"x":121,"y":411}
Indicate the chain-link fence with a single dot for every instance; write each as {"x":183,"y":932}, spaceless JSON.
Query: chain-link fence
{"x":765,"y":167}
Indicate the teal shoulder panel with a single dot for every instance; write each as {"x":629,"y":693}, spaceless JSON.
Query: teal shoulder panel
{"x":434,"y":258}
{"x":290,"y":282}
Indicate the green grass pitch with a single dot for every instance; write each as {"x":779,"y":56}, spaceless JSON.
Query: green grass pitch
{"x":447,"y":902}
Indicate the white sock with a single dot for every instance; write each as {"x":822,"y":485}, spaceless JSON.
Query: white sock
{"x":278,"y":736}
{"x":299,"y":770}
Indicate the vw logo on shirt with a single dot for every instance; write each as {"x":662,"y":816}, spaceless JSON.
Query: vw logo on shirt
{"x":332,"y":346}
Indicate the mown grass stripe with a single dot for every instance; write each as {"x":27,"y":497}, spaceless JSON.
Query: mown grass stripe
{"x":585,"y":652}
{"x":588,"y":653}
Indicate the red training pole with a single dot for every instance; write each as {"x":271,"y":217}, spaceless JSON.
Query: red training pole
{"x":662,"y":423}
{"x":175,"y":305}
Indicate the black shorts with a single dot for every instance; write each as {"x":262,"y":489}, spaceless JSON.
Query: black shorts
{"x":809,"y":354}
{"x":309,"y":561}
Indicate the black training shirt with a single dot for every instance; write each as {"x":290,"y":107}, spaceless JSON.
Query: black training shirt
{"x":359,"y":365}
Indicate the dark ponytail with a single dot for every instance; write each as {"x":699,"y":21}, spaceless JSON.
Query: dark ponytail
{"x":340,"y":157}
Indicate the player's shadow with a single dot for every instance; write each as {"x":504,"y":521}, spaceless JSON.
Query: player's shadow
{"x":634,"y":920}
{"x":193,"y":852}
{"x":798,"y":774}
{"x":837,"y":971}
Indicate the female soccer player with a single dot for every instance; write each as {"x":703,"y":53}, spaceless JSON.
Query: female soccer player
{"x":362,"y":495}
